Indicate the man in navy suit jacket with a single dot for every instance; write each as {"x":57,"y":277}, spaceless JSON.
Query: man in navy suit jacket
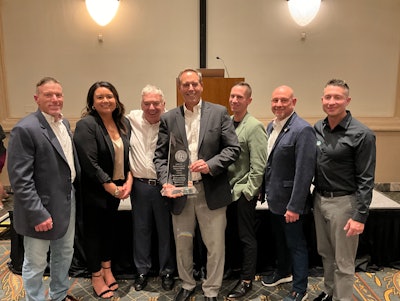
{"x":43,"y":167}
{"x":209,"y":136}
{"x":289,"y":172}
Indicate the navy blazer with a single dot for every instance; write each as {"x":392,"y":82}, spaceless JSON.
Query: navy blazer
{"x":40,"y":177}
{"x":218,"y":147}
{"x":96,"y":155}
{"x":291,"y":167}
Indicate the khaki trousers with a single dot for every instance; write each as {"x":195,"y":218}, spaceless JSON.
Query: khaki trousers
{"x":338,"y":251}
{"x":212,"y":225}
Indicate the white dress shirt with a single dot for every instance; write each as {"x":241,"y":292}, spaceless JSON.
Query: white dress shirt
{"x":192,"y":127}
{"x":277,"y":128}
{"x":143,"y":144}
{"x":65,"y":140}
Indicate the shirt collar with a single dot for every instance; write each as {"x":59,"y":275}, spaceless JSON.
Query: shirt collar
{"x":280,"y":123}
{"x":344,"y":123}
{"x":51,"y":119}
{"x":196,"y":108}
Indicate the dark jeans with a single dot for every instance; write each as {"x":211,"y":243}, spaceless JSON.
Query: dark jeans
{"x":291,"y":249}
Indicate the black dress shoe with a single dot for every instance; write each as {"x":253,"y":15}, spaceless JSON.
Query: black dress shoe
{"x":323,"y":297}
{"x":140,"y":282}
{"x":183,"y":295}
{"x":210,"y":298}
{"x":241,"y":289}
{"x":167,"y":282}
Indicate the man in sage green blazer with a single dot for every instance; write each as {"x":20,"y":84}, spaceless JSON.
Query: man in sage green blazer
{"x":245,"y":177}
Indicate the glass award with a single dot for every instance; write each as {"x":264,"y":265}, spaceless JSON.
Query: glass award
{"x":178,"y":168}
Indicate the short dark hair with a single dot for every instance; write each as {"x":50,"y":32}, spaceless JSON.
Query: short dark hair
{"x":46,"y":80}
{"x":338,"y":83}
{"x":249,"y":91}
{"x":190,"y":70}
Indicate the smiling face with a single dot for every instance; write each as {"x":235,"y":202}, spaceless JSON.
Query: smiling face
{"x":104,"y":101}
{"x":153,"y":106}
{"x":191,"y":88}
{"x":239,"y":100}
{"x":50,"y":99}
{"x":335,"y":101}
{"x":282,"y":102}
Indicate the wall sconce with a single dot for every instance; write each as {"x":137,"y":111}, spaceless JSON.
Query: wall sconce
{"x":102,"y":11}
{"x":303,"y":11}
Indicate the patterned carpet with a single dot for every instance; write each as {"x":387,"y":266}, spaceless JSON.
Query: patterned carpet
{"x":383,"y":285}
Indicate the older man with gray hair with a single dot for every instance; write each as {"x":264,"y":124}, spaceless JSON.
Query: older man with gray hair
{"x":147,"y":202}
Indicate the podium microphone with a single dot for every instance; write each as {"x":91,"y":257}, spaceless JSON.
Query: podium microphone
{"x":226,"y":69}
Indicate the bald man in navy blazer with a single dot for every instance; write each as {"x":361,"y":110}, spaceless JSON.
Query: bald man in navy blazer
{"x":288,"y":175}
{"x":43,"y":168}
{"x":208,"y":133}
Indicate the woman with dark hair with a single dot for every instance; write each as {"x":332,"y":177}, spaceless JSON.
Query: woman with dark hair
{"x":102,"y":142}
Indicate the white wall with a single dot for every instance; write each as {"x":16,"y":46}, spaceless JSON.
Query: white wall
{"x":150,"y":41}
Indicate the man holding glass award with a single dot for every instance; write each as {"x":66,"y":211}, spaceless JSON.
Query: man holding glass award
{"x":196,"y":143}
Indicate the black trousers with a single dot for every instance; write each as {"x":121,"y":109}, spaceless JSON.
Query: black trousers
{"x":241,"y":240}
{"x":99,"y":233}
{"x":151,"y":217}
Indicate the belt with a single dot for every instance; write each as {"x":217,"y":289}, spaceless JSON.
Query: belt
{"x":152,"y":182}
{"x":333,"y":194}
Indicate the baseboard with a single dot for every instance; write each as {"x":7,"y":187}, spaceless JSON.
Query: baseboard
{"x":393,"y":186}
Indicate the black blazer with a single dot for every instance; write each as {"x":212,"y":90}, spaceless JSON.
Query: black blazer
{"x":96,"y":155}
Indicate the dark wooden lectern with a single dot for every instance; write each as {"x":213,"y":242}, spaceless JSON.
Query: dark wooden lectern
{"x":216,"y":89}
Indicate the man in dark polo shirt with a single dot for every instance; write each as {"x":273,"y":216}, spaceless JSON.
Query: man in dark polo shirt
{"x":344,"y":181}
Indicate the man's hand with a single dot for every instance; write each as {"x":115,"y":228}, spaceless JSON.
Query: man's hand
{"x":125,"y":191}
{"x":170,"y":191}
{"x":291,"y":216}
{"x":45,"y":226}
{"x":199,"y":166}
{"x":353,"y":228}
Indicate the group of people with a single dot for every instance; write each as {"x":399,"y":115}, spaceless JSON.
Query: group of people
{"x":234,"y":162}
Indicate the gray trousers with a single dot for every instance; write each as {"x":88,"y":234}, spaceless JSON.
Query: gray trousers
{"x":212,"y":225}
{"x":338,"y":251}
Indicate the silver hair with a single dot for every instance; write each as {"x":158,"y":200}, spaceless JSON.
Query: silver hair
{"x":153,"y":90}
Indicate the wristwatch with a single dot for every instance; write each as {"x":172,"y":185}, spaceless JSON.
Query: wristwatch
{"x":116,"y":192}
